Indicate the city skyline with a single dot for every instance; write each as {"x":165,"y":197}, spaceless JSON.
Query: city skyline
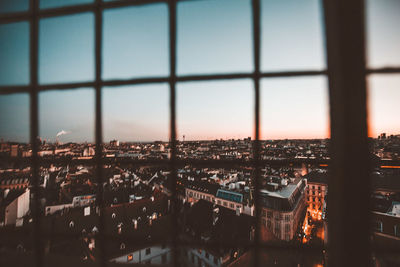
{"x":290,"y":108}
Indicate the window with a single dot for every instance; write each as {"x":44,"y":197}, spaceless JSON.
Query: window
{"x":148,"y":251}
{"x":263,"y":213}
{"x":287,"y":237}
{"x":36,"y":72}
{"x":269,"y":214}
{"x":397,"y":230}
{"x":378,"y":226}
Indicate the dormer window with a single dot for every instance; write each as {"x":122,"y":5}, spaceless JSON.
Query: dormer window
{"x":122,"y":246}
{"x":113,"y":215}
{"x":71,"y":224}
{"x":119,"y":226}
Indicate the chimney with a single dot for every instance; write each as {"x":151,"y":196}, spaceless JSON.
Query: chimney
{"x":238,"y":211}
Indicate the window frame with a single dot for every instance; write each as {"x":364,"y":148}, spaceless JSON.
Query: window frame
{"x":346,"y":70}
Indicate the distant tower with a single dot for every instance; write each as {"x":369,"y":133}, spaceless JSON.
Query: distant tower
{"x":183,"y":137}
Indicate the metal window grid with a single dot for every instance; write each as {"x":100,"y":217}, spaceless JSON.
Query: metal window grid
{"x":344,"y":25}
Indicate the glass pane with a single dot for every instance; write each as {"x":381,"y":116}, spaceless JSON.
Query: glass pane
{"x":215,"y":110}
{"x":14,"y":118}
{"x":14,"y":53}
{"x":10,"y":6}
{"x":136,"y":114}
{"x":383,"y":33}
{"x":294,"y":108}
{"x":383,"y":100}
{"x":15,"y":181}
{"x":384,"y":132}
{"x":67,"y":116}
{"x":135,"y":42}
{"x":61,"y":3}
{"x":214,"y":36}
{"x":66,"y":49}
{"x":291,"y":35}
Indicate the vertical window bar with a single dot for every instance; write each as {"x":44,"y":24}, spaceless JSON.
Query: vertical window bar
{"x":348,"y":183}
{"x":172,"y":85}
{"x":99,"y":135}
{"x":256,"y":148}
{"x":34,"y":121}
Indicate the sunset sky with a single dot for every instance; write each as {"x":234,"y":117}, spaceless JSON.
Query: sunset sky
{"x":213,"y":37}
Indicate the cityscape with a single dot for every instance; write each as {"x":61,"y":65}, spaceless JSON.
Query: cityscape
{"x":199,"y":133}
{"x":216,"y":206}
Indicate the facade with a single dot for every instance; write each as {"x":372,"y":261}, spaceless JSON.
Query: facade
{"x":202,"y":257}
{"x":283,"y":207}
{"x":157,"y":255}
{"x":229,"y":199}
{"x":386,"y":229}
{"x":17,"y":209}
{"x":317,"y":189}
{"x":19,"y":182}
{"x":14,"y":152}
{"x":82,"y":201}
{"x":49,"y":210}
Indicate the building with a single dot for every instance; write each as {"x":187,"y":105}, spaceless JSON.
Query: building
{"x":14,"y":152}
{"x":88,"y":151}
{"x":114,"y":143}
{"x":283,"y":206}
{"x":157,"y":255}
{"x":317,"y":189}
{"x":19,"y":181}
{"x":210,"y":223}
{"x":212,"y":193}
{"x":15,"y":207}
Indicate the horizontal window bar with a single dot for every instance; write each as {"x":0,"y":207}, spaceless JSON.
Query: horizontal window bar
{"x":388,"y":70}
{"x":74,"y":9}
{"x":6,"y":89}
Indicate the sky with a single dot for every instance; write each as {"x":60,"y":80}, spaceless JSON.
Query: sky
{"x":212,"y":37}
